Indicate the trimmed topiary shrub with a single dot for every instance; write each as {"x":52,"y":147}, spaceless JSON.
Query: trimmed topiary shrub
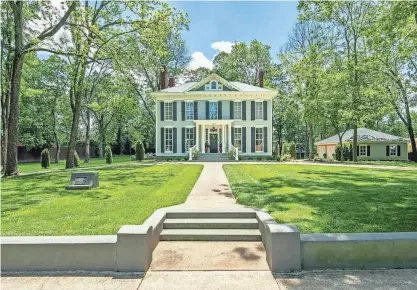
{"x":346,"y":151}
{"x":108,"y":155}
{"x":292,"y":150}
{"x":77,"y":160}
{"x":140,"y":151}
{"x":45,"y":158}
{"x":286,"y":157}
{"x":285,"y":148}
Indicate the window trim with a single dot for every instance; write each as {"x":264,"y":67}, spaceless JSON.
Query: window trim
{"x":234,"y":110}
{"x":165,"y":139}
{"x":217,"y":110}
{"x":192,"y":112}
{"x":262,"y":139}
{"x":396,"y":149}
{"x":241,"y":137}
{"x":192,"y":139}
{"x":366,"y":149}
{"x":262,"y":110}
{"x":165,"y":110}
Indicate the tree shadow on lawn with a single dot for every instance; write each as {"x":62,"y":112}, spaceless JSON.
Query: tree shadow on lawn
{"x":338,"y":201}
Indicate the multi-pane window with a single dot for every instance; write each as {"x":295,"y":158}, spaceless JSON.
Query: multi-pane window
{"x":189,"y":110}
{"x":238,"y":110}
{"x":258,"y":110}
{"x":213,"y":110}
{"x":393,"y":150}
{"x":362,"y":150}
{"x":168,"y":140}
{"x":238,"y":138}
{"x":189,"y":138}
{"x":168,"y":111}
{"x":259,"y":139}
{"x":213,"y":85}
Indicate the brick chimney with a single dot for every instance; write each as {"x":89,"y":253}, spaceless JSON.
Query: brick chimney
{"x":171,"y":82}
{"x":261,"y":78}
{"x":163,"y":81}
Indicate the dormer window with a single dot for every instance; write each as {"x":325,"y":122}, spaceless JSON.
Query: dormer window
{"x":213,"y":86}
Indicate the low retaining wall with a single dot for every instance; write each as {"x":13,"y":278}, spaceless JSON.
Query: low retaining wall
{"x":359,"y":251}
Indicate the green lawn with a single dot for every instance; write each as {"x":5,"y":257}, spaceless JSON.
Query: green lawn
{"x":40,"y":205}
{"x":386,"y":163}
{"x":324,"y":199}
{"x":36,"y":166}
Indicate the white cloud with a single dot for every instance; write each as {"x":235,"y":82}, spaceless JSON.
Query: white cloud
{"x":200,"y":60}
{"x":225,"y":46}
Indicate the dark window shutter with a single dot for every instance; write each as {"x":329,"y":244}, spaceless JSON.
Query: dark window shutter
{"x":232,"y":112}
{"x":357,"y":150}
{"x":183,"y":140}
{"x":195,"y":110}
{"x":195,"y":132}
{"x":162,"y":140}
{"x":233,"y":135}
{"x":252,"y":110}
{"x":398,"y":150}
{"x":368,"y":150}
{"x":174,"y":111}
{"x":183,"y":110}
{"x":387,"y":151}
{"x":207,"y":110}
{"x":243,"y":139}
{"x":265,"y":110}
{"x":219,"y":104}
{"x":244,"y":110}
{"x":162,"y":113}
{"x":174,"y":139}
{"x":252,"y":139}
{"x":265,"y":139}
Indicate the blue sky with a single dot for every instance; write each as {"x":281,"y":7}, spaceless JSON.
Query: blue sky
{"x":220,"y":24}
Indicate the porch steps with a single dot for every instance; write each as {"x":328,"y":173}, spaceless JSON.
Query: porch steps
{"x":213,"y":157}
{"x":211,"y":226}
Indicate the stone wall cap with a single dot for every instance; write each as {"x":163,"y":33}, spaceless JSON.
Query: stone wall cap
{"x":358,"y":237}
{"x":281,"y":228}
{"x":134,"y":229}
{"x":31,"y":240}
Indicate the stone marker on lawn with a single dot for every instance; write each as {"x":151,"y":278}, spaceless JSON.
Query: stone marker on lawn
{"x":83,"y":180}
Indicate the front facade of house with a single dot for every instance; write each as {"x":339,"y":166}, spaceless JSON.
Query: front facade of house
{"x":213,"y":115}
{"x":372,"y":145}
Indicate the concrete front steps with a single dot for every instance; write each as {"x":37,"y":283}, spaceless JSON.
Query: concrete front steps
{"x":211,"y":226}
{"x":213,"y":157}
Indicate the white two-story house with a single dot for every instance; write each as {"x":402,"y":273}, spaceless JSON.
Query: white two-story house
{"x":213,"y":116}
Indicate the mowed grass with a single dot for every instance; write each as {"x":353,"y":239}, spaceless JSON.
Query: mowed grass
{"x":36,"y":166}
{"x":40,"y":204}
{"x":385,"y":163}
{"x":324,"y":199}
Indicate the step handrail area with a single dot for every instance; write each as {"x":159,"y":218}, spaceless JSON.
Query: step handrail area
{"x":191,"y":151}
{"x":235,"y":151}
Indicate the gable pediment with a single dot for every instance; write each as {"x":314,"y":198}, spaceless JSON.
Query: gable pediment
{"x":213,"y":83}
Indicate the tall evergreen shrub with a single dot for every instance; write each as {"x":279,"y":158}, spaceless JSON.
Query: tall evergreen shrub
{"x":45,"y":158}
{"x":108,"y":155}
{"x":140,"y":151}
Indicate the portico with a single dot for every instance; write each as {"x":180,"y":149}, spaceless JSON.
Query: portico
{"x":215,"y":135}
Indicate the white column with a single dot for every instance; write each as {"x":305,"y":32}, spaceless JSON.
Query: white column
{"x":197,"y":140}
{"x":203,"y":137}
{"x":223,"y":139}
{"x":229,"y":128}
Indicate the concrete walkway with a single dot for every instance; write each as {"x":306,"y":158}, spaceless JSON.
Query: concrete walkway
{"x":211,"y":191}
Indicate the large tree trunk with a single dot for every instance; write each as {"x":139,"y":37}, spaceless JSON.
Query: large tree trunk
{"x":411,"y":131}
{"x":74,"y":132}
{"x":87,"y":138}
{"x":311,"y":139}
{"x":11,"y":153}
{"x":355,"y":143}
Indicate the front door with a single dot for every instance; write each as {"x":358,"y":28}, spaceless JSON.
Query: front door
{"x":213,"y":143}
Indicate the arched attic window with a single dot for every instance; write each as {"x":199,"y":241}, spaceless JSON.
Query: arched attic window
{"x":213,"y":85}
